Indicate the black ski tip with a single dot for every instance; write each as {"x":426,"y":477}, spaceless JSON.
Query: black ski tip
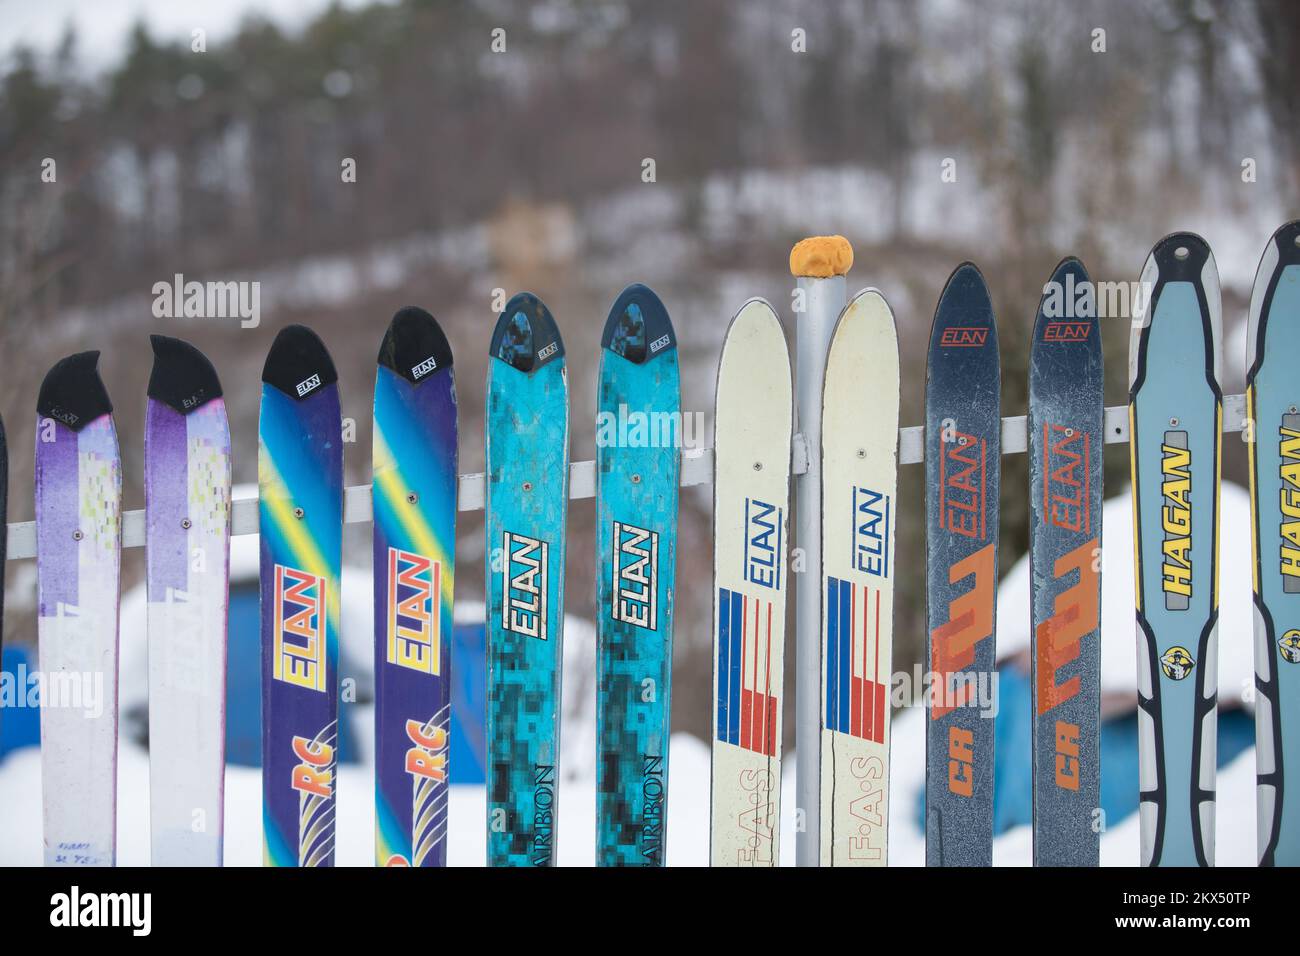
{"x":298,"y":364}
{"x":1180,"y":257}
{"x":526,"y":336}
{"x":414,"y":346}
{"x":1287,"y":240}
{"x":1067,"y":310}
{"x":964,"y":317}
{"x":638,"y":327}
{"x":73,"y":393}
{"x":182,"y":376}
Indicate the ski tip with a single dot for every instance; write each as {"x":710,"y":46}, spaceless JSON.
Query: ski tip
{"x":414,"y":346}
{"x":526,"y":336}
{"x":1287,"y":241}
{"x":638,"y":327}
{"x":73,"y":393}
{"x":298,"y":364}
{"x":182,"y":376}
{"x":964,"y":317}
{"x":820,"y":257}
{"x":1067,"y":310}
{"x":1179,"y":257}
{"x":870,"y":308}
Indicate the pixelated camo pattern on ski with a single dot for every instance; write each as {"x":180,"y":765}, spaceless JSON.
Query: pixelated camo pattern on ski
{"x":528,"y":469}
{"x":636,"y":519}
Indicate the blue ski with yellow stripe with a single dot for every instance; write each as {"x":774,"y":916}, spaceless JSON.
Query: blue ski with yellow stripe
{"x":637,"y":462}
{"x":527,"y":498}
{"x":414,"y":491}
{"x":1273,"y":397}
{"x":1175,"y":428}
{"x":300,"y":486}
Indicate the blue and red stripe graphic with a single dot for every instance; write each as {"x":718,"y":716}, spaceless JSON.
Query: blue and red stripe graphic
{"x":856,"y":691}
{"x":747,"y":698}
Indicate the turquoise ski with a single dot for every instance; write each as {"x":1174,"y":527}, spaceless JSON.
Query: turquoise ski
{"x":527,"y":498}
{"x":1273,"y":405}
{"x":637,"y":461}
{"x":1175,"y":424}
{"x":300,"y":520}
{"x":414,"y":493}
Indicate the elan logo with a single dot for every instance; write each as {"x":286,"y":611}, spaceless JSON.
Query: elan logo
{"x":548,"y":351}
{"x":959,"y":337}
{"x":308,"y":385}
{"x":125,"y":910}
{"x":424,"y":368}
{"x":1066,"y":331}
{"x":659,"y":343}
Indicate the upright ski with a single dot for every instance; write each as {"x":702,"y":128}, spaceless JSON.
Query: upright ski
{"x":187,"y":552}
{"x":1273,"y":404}
{"x":751,"y":494}
{"x":1065,"y":495}
{"x":527,"y":499}
{"x":414,"y":493}
{"x":300,"y":482}
{"x":637,"y":459}
{"x":1175,"y":429}
{"x":963,"y":467}
{"x":859,"y":510}
{"x":78,"y":560}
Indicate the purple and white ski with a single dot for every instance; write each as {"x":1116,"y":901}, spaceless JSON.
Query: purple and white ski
{"x":187,"y":518}
{"x":78,"y":557}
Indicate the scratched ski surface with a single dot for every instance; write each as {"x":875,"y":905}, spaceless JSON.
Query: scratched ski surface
{"x":637,"y":458}
{"x":527,"y":498}
{"x":859,"y":486}
{"x":751,"y":493}
{"x":415,"y":544}
{"x":1273,"y":397}
{"x":1175,"y":418}
{"x":963,"y":467}
{"x":1065,"y":495}
{"x":300,"y":482}
{"x":187,"y":553}
{"x":78,"y":558}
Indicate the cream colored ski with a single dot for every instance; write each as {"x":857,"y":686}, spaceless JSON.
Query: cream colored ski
{"x":859,"y":484}
{"x":752,"y":433}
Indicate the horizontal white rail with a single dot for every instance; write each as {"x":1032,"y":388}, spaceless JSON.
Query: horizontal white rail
{"x":697,"y":469}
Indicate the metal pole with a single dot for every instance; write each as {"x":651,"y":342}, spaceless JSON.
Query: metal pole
{"x":823,"y":299}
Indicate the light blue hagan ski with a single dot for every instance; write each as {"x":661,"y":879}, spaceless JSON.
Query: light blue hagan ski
{"x":527,"y":499}
{"x":300,"y":486}
{"x":1175,"y":429}
{"x":187,"y":553}
{"x":963,"y":468}
{"x":78,"y":560}
{"x":753,"y":422}
{"x":414,"y":492}
{"x":1273,"y":405}
{"x":1065,"y":495}
{"x":637,"y":463}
